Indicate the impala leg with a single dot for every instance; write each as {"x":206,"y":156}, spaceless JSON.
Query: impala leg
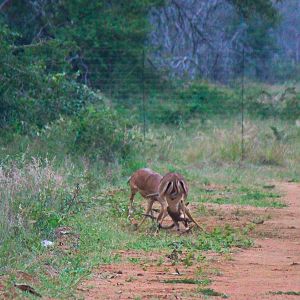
{"x":191,"y":217}
{"x":163,"y":213}
{"x":176,"y":224}
{"x":184,"y":208}
{"x":130,"y":206}
{"x":148,"y":210}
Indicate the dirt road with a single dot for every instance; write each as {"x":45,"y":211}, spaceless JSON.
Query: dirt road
{"x":269,"y":270}
{"x":273,"y":265}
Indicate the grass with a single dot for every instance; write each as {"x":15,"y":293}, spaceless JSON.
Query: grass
{"x":134,"y":260}
{"x":105,"y":232}
{"x":212,"y":293}
{"x":290,"y":293}
{"x":243,"y":195}
{"x":38,"y":195}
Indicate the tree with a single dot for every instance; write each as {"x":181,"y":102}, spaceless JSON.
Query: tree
{"x":205,"y":38}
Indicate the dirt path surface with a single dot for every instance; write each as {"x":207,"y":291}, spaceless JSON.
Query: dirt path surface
{"x":273,"y":265}
{"x":267,"y":271}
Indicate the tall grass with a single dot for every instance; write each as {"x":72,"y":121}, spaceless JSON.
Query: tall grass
{"x":265,"y":143}
{"x":32,"y":197}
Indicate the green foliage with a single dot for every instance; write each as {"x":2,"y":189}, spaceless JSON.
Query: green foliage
{"x":284,"y":103}
{"x":257,"y":42}
{"x":44,"y":61}
{"x":197,"y":99}
{"x":97,"y":132}
{"x":221,"y":239}
{"x":40,"y":196}
{"x":104,"y":133}
{"x":33,"y":199}
{"x":103,"y":39}
{"x":32,"y":97}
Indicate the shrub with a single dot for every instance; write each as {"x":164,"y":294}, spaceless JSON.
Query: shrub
{"x":281,"y":102}
{"x":199,"y":99}
{"x":105,"y":134}
{"x":32,"y":94}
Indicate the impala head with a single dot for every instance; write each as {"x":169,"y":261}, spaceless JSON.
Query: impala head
{"x":173,"y":187}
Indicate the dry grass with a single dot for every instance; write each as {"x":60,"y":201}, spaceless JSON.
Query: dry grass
{"x":262,"y":145}
{"x":25,"y":192}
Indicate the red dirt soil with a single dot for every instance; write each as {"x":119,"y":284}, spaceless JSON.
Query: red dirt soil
{"x":273,"y":265}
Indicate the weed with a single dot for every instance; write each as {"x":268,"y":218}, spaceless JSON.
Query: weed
{"x":134,"y":260}
{"x":37,"y":196}
{"x":131,"y":279}
{"x":188,"y":259}
{"x":160,"y":261}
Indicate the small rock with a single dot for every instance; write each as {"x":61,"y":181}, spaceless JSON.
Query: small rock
{"x":139,"y":274}
{"x":47,"y":243}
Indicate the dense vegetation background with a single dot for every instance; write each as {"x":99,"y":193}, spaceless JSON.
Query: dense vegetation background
{"x":78,"y":81}
{"x":56,"y":56}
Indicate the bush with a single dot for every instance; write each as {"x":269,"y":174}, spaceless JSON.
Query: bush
{"x":105,"y":134}
{"x":31,"y":96}
{"x":198,"y":99}
{"x":283,"y":102}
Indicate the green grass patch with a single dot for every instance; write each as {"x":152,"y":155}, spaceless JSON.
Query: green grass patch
{"x":291,"y":293}
{"x":134,"y":260}
{"x":221,"y":239}
{"x":242,"y":195}
{"x":212,"y":293}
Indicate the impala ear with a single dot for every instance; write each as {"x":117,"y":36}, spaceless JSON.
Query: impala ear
{"x":184,"y":187}
{"x":170,"y":187}
{"x":178,"y":186}
{"x":166,"y":187}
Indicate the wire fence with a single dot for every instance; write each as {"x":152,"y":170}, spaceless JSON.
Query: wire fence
{"x":133,"y":82}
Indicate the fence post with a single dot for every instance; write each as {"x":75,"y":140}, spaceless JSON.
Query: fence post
{"x":242,"y":106}
{"x":144,"y":97}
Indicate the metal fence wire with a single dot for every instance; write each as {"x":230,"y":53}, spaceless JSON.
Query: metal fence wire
{"x":151,"y":95}
{"x":133,"y":81}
